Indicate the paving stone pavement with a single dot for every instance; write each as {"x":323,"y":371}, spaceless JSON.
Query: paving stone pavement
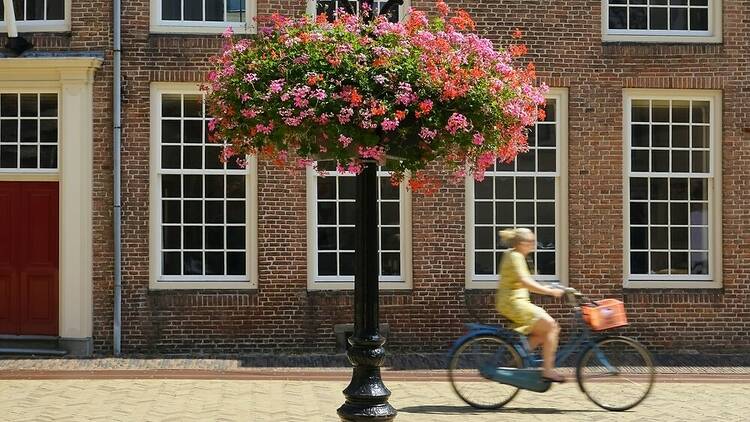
{"x":110,"y":400}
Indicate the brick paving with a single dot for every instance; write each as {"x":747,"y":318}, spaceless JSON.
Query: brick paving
{"x":306,"y":400}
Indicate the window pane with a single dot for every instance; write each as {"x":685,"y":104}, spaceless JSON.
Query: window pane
{"x":638,"y":19}
{"x":679,"y":238}
{"x":29,"y":156}
{"x":193,"y":237}
{"x":192,"y":212}
{"x":348,"y":188}
{"x":659,"y":263}
{"x":678,"y":19}
{"x":698,"y":213}
{"x":504,"y":187}
{"x":618,"y":18}
{"x":48,"y":156}
{"x":524,"y":213}
{"x":235,"y":211}
{"x":545,"y":188}
{"x":546,"y":136}
{"x":47,"y":130}
{"x":660,"y":136}
{"x":678,"y":188}
{"x":680,"y":136}
{"x":679,"y":261}
{"x":545,"y":238}
{"x":214,"y":237}
{"x":678,"y":213}
{"x":658,"y":18}
{"x":8,"y":105}
{"x":327,"y":213}
{"x":638,"y":188}
{"x":214,"y":10}
{"x":639,"y":262}
{"x":659,"y":213}
{"x":545,"y":212}
{"x":483,"y":189}
{"x":390,"y":239}
{"x":214,"y":263}
{"x":483,"y":213}
{"x":484,"y":237}
{"x":327,"y":238}
{"x":327,"y":264}
{"x":214,"y":211}
{"x":8,"y":156}
{"x":347,"y":239}
{"x":638,"y":238}
{"x":505,"y":213}
{"x":193,"y":10}
{"x":347,"y":212}
{"x":29,"y":131}
{"x":484,"y":262}
{"x":346,"y":264}
{"x":701,"y":111}
{"x":172,"y":237}
{"x":235,"y":237}
{"x":699,"y":263}
{"x":391,"y":263}
{"x":171,"y":263}
{"x":170,"y":9}
{"x":639,"y":136}
{"x":236,"y":263}
{"x":387,"y":190}
{"x":638,"y":213}
{"x":659,"y":238}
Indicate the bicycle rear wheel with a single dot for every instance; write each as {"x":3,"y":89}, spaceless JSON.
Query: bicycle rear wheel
{"x":469,"y":384}
{"x":616,"y":373}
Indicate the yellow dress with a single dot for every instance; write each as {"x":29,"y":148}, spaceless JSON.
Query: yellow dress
{"x":512,"y":299}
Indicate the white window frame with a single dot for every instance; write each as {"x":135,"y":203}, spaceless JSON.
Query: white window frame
{"x":161,"y":26}
{"x":403,"y":10}
{"x":474,"y":281}
{"x":315,"y":282}
{"x":37,"y":173}
{"x":157,"y":281}
{"x":659,"y":281}
{"x":42,"y":25}
{"x":712,"y":36}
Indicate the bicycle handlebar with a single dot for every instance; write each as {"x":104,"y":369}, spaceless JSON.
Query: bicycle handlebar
{"x":574,"y":297}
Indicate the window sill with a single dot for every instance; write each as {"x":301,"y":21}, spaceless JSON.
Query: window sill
{"x":660,"y":39}
{"x":30,"y":28}
{"x":202,"y":285}
{"x":676,"y":284}
{"x":349,"y":286}
{"x":187,"y":29}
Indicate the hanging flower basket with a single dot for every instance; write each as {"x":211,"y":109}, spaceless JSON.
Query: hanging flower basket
{"x":418,"y":91}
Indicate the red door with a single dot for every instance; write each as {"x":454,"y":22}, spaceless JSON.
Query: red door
{"x":29,"y":232}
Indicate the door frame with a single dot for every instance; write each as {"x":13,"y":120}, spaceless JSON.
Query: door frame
{"x":72,"y":78}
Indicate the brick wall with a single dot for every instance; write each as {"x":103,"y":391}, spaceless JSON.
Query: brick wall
{"x":564,"y":39}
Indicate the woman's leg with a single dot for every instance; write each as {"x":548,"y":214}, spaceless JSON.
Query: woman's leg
{"x":547,"y":330}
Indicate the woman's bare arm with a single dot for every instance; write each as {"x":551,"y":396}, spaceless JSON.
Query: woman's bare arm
{"x":535,"y":287}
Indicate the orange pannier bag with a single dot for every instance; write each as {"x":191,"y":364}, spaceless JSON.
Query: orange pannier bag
{"x":605,"y":314}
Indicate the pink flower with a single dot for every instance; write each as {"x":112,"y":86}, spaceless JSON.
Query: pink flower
{"x":244,"y":97}
{"x":345,"y":115}
{"x":250,"y":78}
{"x":457,"y":122}
{"x":345,"y":140}
{"x":249,"y":113}
{"x":389,"y":124}
{"x":477,"y":139}
{"x":228,"y":32}
{"x":427,"y":133}
{"x":377,"y":153}
{"x":226,"y":153}
{"x":276,"y":86}
{"x":265,"y":129}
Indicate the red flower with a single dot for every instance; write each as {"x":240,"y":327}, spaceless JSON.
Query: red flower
{"x":443,"y":8}
{"x":517,"y":34}
{"x":518,"y":50}
{"x":463,"y":21}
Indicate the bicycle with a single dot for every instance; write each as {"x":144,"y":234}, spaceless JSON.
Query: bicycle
{"x":489,"y":365}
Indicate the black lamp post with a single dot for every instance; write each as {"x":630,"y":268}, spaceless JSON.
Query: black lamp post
{"x":366,"y":395}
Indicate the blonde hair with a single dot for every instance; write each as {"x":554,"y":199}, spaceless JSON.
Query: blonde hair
{"x":512,"y":237}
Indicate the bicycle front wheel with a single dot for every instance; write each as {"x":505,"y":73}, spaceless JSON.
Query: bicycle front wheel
{"x":469,"y":384}
{"x":616,"y":373}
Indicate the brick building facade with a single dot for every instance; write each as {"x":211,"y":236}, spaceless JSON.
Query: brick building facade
{"x":636,"y":185}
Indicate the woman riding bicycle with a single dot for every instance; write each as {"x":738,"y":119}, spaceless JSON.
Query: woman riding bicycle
{"x":513,"y":299}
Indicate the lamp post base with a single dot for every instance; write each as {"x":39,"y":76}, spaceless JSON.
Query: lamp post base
{"x":366,"y":396}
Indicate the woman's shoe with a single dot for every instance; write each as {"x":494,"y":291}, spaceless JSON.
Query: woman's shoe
{"x":556,"y":378}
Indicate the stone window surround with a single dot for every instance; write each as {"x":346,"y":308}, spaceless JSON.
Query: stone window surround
{"x":715,"y":209}
{"x":471,"y":282}
{"x":157,"y":88}
{"x":714,"y":28}
{"x":160,"y":26}
{"x":42,"y":25}
{"x":405,"y":211}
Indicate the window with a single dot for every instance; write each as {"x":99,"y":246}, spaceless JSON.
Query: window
{"x":28,"y":132}
{"x":529,"y":192}
{"x":39,"y":15}
{"x":662,"y":20}
{"x":329,"y":7}
{"x":202,"y":230}
{"x":202,"y":16}
{"x":331,"y":237}
{"x":671,"y":187}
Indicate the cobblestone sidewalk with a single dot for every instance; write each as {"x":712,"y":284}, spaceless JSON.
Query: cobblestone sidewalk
{"x":310,"y":401}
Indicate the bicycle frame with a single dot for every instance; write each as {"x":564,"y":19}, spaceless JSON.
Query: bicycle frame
{"x":583,"y":338}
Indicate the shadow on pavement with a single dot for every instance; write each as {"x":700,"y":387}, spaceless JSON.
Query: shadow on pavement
{"x":466,"y":410}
